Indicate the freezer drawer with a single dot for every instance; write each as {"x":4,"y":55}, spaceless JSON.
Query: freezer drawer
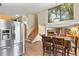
{"x":18,"y":49}
{"x":14,"y":50}
{"x":6,"y":51}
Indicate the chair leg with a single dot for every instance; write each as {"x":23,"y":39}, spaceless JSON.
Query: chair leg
{"x":75,"y":52}
{"x":62,"y":52}
{"x":53,"y":49}
{"x":43,"y":51}
{"x":49,"y":51}
{"x":67,"y":52}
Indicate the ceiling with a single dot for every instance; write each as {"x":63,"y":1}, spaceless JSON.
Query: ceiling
{"x":24,"y":8}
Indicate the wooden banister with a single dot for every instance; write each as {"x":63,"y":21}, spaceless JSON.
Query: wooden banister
{"x":33,"y":34}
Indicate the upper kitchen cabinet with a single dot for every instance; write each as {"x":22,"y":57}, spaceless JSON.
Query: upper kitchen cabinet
{"x":6,"y":17}
{"x":61,"y":13}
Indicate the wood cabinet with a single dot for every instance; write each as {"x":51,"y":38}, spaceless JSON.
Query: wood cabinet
{"x":7,"y":17}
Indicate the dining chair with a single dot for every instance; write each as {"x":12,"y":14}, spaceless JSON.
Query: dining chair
{"x":59,"y":46}
{"x":67,"y":44}
{"x":47,"y":44}
{"x":74,"y":46}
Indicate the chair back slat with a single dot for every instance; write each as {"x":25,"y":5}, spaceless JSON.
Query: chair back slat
{"x":46,"y":38}
{"x":47,"y":44}
{"x":59,"y":41}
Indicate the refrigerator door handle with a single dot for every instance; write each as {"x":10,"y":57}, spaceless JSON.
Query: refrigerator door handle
{"x":13,"y":32}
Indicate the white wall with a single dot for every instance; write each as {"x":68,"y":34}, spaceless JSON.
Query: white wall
{"x":43,"y":19}
{"x":30,"y":21}
{"x":43,"y":15}
{"x":76,"y":11}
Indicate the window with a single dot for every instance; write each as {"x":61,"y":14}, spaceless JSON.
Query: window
{"x":62,"y":12}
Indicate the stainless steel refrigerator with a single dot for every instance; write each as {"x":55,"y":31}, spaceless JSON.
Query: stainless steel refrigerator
{"x":12,"y":36}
